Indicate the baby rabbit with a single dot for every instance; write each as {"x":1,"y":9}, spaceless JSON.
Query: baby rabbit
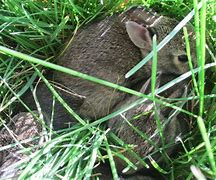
{"x":108,"y":49}
{"x":143,"y":119}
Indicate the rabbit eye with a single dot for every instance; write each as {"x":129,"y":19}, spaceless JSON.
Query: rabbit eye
{"x":183,"y":58}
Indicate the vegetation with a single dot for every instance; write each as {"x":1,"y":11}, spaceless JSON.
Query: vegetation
{"x":36,"y":29}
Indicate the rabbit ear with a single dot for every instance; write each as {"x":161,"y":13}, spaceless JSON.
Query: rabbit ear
{"x":139,"y":35}
{"x":158,"y":79}
{"x":180,"y":92}
{"x":146,"y":88}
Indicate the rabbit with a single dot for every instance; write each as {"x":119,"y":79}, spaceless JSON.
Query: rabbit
{"x":142,"y":117}
{"x":108,"y":49}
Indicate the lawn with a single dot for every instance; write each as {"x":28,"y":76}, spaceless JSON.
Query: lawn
{"x":34,"y":33}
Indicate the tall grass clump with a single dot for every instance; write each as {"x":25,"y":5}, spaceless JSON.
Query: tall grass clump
{"x":32,"y":32}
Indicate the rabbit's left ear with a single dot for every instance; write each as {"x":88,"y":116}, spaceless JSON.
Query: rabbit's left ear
{"x":179,"y":93}
{"x":139,"y":35}
{"x":146,"y":88}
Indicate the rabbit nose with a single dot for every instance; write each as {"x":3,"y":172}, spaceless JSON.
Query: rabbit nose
{"x":183,"y":58}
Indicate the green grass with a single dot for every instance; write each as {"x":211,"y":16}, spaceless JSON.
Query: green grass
{"x":35,"y":29}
